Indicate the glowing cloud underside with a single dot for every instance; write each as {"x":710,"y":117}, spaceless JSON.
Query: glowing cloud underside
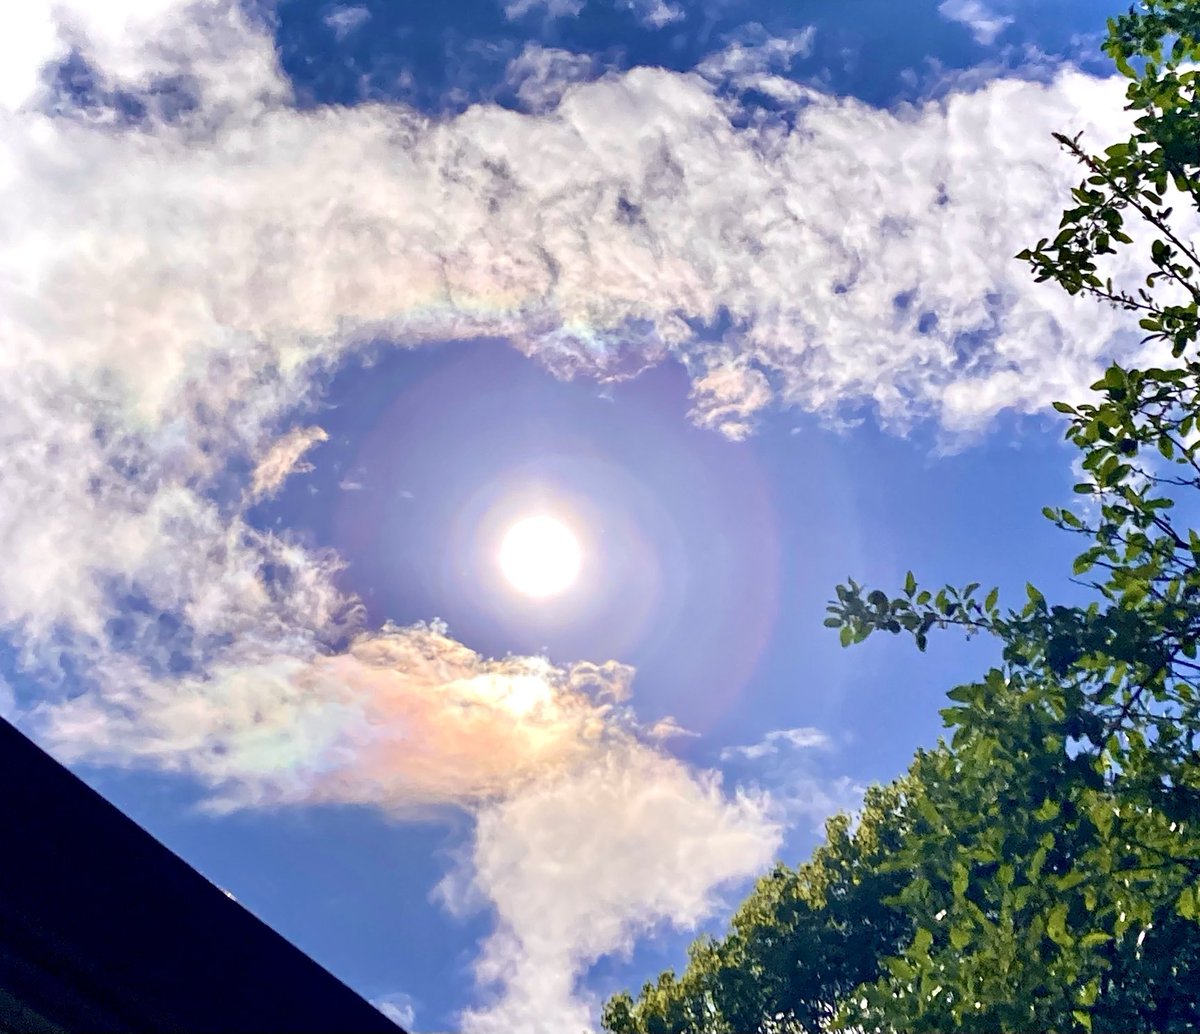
{"x":172,"y":292}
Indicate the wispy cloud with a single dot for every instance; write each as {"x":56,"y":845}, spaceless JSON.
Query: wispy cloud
{"x":540,"y":75}
{"x":984,"y":23}
{"x":802,"y":793}
{"x":284,"y":458}
{"x":755,"y":54}
{"x":550,"y":8}
{"x":729,"y":395}
{"x":344,"y":20}
{"x":397,"y":1007}
{"x":654,"y":14}
{"x":801,"y":738}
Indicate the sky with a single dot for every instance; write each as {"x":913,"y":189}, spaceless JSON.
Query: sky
{"x":305,"y":305}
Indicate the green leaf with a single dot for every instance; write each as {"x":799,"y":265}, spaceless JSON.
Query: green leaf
{"x":1056,"y":926}
{"x":1188,"y":903}
{"x":922,"y":942}
{"x":910,"y":585}
{"x":1049,"y":810}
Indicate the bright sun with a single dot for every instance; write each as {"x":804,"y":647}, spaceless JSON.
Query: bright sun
{"x":540,"y":556}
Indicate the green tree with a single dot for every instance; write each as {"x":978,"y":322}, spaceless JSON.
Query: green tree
{"x":802,"y":941}
{"x":1074,"y":903}
{"x":1043,"y":866}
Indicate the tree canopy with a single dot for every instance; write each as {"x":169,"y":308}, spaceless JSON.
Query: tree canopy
{"x":1040,"y":869}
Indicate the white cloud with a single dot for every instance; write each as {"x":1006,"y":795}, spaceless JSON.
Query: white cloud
{"x":403,"y":718}
{"x":284,"y":458}
{"x":397,"y":1007}
{"x":344,"y":20}
{"x":654,"y":14}
{"x":730,"y":395}
{"x":756,"y":55}
{"x":802,"y":796}
{"x":577,"y":867}
{"x":553,"y":8}
{"x":801,"y":738}
{"x":540,"y":74}
{"x":984,"y":23}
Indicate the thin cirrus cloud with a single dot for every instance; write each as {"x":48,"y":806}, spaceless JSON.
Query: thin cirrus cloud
{"x":756,"y":55}
{"x":174,"y":287}
{"x":803,"y":737}
{"x":654,"y":14}
{"x":550,"y":8}
{"x":344,"y":20}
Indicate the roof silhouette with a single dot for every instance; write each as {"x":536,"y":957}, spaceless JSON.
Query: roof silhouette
{"x":102,"y":928}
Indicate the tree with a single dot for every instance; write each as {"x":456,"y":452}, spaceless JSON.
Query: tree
{"x":1094,"y":714}
{"x":802,"y":941}
{"x":1043,"y":871}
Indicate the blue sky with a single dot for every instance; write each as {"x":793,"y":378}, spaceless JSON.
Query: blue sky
{"x":307,"y":303}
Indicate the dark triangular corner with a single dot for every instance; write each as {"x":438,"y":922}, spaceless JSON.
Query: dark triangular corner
{"x":104,"y":929}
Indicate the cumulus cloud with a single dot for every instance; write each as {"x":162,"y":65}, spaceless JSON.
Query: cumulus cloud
{"x":579,"y":866}
{"x":984,"y":23}
{"x":283,"y":459}
{"x":540,"y":75}
{"x":183,"y":267}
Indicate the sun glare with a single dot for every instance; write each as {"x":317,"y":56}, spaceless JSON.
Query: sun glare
{"x":540,"y":556}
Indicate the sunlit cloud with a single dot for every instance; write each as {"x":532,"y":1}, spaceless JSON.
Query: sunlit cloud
{"x":579,"y":866}
{"x":284,"y":458}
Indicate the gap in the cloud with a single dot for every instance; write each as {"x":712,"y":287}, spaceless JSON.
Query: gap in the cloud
{"x":425,"y":445}
{"x":76,"y":89}
{"x":721,"y":555}
{"x":441,"y":58}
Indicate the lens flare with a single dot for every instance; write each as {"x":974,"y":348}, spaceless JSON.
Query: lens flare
{"x":540,"y":556}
